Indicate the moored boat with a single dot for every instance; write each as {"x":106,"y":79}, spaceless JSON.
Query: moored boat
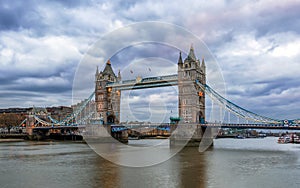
{"x":283,"y":140}
{"x":291,"y":138}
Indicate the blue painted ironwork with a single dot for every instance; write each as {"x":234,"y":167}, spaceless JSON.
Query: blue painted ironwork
{"x":43,"y":122}
{"x":118,"y":128}
{"x":20,"y":125}
{"x":171,"y":80}
{"x":239,"y":111}
{"x":77,"y":112}
{"x":53,"y":120}
{"x":67,"y":120}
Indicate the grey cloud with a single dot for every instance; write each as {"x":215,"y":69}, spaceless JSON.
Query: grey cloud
{"x":13,"y":94}
{"x":44,"y":17}
{"x":86,"y":21}
{"x":14,"y":16}
{"x":279,"y":19}
{"x":72,"y":3}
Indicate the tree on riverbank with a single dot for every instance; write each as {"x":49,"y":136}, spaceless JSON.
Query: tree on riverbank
{"x":10,"y":120}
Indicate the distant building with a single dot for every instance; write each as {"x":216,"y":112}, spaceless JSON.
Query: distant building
{"x":57,"y":113}
{"x":15,"y":110}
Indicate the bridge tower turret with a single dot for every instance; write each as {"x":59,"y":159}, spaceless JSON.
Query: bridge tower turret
{"x":107,"y":99}
{"x":191,"y":98}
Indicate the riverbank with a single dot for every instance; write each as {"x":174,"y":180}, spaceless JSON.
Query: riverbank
{"x":11,"y":140}
{"x":51,"y":137}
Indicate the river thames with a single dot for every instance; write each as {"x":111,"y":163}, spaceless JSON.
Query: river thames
{"x":233,"y":163}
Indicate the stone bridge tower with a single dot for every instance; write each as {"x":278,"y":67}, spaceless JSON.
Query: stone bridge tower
{"x":107,"y":99}
{"x":191,"y":98}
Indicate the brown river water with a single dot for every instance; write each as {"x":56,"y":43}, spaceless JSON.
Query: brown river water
{"x":234,"y":163}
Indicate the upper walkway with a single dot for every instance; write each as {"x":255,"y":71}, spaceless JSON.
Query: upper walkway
{"x":142,"y":83}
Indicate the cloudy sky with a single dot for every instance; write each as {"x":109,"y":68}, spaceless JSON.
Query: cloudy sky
{"x":256,"y":44}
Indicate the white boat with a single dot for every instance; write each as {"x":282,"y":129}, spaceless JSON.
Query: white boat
{"x":284,"y":140}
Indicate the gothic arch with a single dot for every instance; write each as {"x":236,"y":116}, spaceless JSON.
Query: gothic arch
{"x":111,"y":119}
{"x":200,"y":117}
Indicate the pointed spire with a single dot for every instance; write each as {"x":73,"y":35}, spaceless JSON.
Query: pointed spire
{"x":119,"y":75}
{"x":203,"y":67}
{"x":180,"y":58}
{"x":203,"y":63}
{"x":97,"y":70}
{"x":192,"y":53}
{"x":108,"y":69}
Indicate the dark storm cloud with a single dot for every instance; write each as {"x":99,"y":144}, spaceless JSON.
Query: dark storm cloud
{"x":45,"y":17}
{"x":278,"y":19}
{"x":219,"y":25}
{"x":146,"y":50}
{"x":49,"y":85}
{"x":277,"y":86}
{"x":9,"y":76}
{"x":266,"y":88}
{"x":14,"y":16}
{"x":14,"y":94}
{"x":5,"y":80}
{"x":44,"y":88}
{"x":72,"y":3}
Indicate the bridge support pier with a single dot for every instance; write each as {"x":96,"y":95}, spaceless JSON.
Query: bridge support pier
{"x":105,"y":134}
{"x":29,"y":124}
{"x":189,"y":135}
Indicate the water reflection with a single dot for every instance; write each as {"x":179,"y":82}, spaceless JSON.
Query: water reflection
{"x":105,"y":173}
{"x":192,"y":167}
{"x":187,"y":169}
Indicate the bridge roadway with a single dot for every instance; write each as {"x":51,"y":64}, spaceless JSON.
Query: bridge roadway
{"x":167,"y":125}
{"x":57,"y":127}
{"x":252,"y":126}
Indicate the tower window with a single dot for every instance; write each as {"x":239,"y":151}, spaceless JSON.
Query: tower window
{"x":100,"y":97}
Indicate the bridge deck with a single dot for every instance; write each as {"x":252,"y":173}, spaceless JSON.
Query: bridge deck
{"x":57,"y":127}
{"x":252,"y":126}
{"x":218,"y":125}
{"x":149,"y":82}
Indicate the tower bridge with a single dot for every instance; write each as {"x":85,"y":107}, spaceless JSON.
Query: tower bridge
{"x":192,"y":90}
{"x":191,"y":98}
